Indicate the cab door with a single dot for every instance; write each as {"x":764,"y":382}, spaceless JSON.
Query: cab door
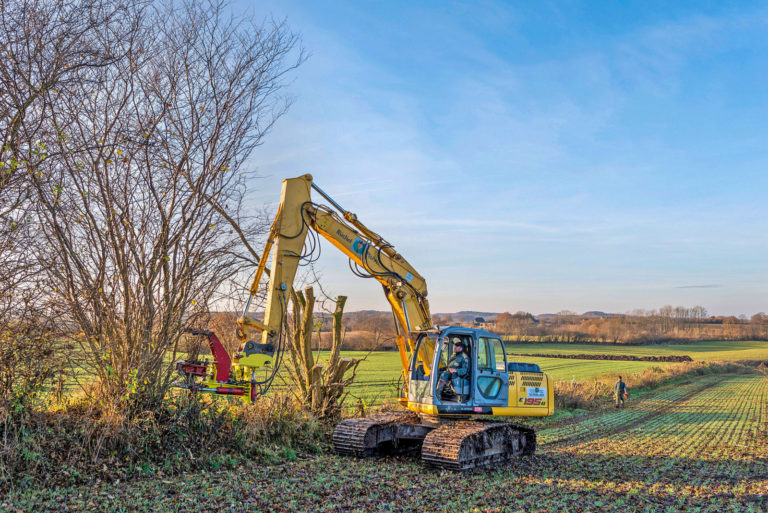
{"x":421,"y":382}
{"x":492,"y":379}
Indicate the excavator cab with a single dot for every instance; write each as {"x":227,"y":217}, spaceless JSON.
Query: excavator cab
{"x":484,"y":387}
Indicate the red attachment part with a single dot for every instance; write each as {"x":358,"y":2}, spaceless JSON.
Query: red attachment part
{"x":230,"y":391}
{"x":221,"y":357}
{"x":193,"y":369}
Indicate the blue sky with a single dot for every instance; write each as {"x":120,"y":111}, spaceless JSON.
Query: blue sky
{"x":541,"y":156}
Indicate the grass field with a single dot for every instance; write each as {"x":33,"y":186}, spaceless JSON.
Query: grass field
{"x":378,"y":374}
{"x":701,"y":446}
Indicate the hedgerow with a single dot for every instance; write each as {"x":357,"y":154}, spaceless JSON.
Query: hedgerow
{"x":81,"y":443}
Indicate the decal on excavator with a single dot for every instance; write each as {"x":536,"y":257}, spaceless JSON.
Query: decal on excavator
{"x":536,"y":392}
{"x":358,"y":246}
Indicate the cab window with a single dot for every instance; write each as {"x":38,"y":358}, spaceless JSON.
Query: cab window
{"x":498,"y":355}
{"x":484,"y":355}
{"x":422,"y":359}
{"x":446,"y":351}
{"x":491,"y":355}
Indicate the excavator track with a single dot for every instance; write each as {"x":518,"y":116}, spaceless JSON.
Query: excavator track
{"x":376,"y":435}
{"x":467,"y":445}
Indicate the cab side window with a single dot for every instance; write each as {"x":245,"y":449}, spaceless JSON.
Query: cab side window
{"x":484,"y":355}
{"x":498,"y":355}
{"x":422,"y":359}
{"x":490,"y":356}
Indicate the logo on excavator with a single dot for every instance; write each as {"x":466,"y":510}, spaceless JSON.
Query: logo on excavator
{"x":359,"y":246}
{"x":343,"y":235}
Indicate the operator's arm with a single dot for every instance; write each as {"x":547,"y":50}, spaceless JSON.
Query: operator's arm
{"x":459,"y":365}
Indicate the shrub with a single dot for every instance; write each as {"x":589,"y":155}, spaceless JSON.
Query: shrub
{"x":29,"y":362}
{"x":82,"y":442}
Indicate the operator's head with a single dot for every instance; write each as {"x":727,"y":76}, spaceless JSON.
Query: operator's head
{"x":619,"y":378}
{"x":458,"y":346}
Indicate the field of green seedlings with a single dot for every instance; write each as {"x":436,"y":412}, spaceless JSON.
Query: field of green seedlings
{"x":700,"y":446}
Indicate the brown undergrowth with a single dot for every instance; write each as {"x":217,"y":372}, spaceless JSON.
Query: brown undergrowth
{"x":80,"y":443}
{"x":596,"y":394}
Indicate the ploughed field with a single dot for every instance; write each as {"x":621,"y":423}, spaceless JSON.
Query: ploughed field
{"x":378,"y":374}
{"x":697,"y":446}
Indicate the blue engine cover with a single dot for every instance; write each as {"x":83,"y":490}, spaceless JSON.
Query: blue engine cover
{"x":523,"y":367}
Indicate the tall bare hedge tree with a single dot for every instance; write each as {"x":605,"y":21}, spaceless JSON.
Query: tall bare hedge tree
{"x":44,"y":49}
{"x":137,"y":164}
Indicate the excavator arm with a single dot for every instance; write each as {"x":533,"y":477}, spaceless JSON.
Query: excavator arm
{"x":371,"y":255}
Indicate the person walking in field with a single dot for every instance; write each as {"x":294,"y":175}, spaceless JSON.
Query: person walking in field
{"x":620,"y":392}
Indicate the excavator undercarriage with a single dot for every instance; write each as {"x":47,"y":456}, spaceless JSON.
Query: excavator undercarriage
{"x":454,"y":444}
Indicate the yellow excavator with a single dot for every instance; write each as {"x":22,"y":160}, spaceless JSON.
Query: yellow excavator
{"x":446,"y":422}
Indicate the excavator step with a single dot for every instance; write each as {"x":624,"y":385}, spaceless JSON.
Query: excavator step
{"x":467,"y":445}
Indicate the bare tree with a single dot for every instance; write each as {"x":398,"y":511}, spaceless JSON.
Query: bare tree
{"x":139,"y":175}
{"x":45,"y":49}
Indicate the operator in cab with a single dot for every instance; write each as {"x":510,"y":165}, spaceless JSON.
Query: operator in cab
{"x":458,"y":367}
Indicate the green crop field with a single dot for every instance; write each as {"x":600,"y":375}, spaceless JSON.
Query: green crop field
{"x":379,"y":373}
{"x":718,"y":350}
{"x":701,"y":446}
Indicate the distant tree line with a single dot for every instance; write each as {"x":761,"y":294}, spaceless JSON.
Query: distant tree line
{"x":369,"y":330}
{"x":667,"y":323}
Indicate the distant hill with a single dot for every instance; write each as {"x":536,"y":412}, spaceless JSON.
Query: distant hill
{"x":470,"y":316}
{"x":594,"y":313}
